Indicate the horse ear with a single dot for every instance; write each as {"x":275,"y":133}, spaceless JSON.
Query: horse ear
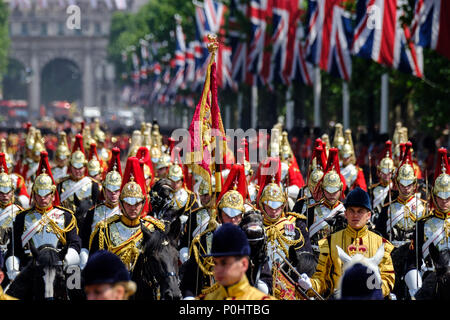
{"x":146,"y":233}
{"x":376,"y":259}
{"x":434,"y":253}
{"x":342,"y":255}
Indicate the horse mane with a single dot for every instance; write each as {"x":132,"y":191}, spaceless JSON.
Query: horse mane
{"x":153,"y":240}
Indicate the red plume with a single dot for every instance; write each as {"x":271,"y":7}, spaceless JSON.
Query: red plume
{"x":244,"y":146}
{"x":44,"y":164}
{"x":3,"y":162}
{"x":134,"y":168}
{"x":236,"y":177}
{"x":78,"y":145}
{"x":115,"y":160}
{"x":441,"y":162}
{"x":143,"y":154}
{"x":270,"y":171}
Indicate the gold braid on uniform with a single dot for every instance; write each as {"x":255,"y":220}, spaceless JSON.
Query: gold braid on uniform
{"x":273,"y":235}
{"x":207,"y":264}
{"x":59,"y":232}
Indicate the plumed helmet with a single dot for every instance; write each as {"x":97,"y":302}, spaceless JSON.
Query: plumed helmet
{"x":62,"y":150}
{"x":232,"y":203}
{"x":441,"y":186}
{"x":133,"y":188}
{"x":175,"y":172}
{"x":78,"y":157}
{"x":113,"y":181}
{"x":6,"y":183}
{"x":338,"y":140}
{"x":229,"y":240}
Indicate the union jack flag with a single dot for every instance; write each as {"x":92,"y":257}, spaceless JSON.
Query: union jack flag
{"x":302,"y":70}
{"x":329,"y":37}
{"x":180,"y":61}
{"x":238,"y":41}
{"x":381,"y":36}
{"x":286,"y":14}
{"x":189,"y":70}
{"x":430,"y":27}
{"x":260,"y":13}
{"x":201,"y":50}
{"x":215,"y":17}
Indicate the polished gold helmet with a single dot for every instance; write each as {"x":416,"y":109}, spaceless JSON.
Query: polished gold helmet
{"x":43,"y":185}
{"x":441,"y":187}
{"x":155,"y":153}
{"x":386,"y":165}
{"x":99,"y":135}
{"x":338,"y":140}
{"x":205,"y":187}
{"x":314,"y":178}
{"x":62,"y":150}
{"x":131,"y":192}
{"x":332,"y":182}
{"x":232,"y":203}
{"x":6,"y":183}
{"x":38,"y":145}
{"x":163,"y":162}
{"x":78,"y":158}
{"x":175,"y":173}
{"x":135,"y":143}
{"x":273,"y":196}
{"x":286,"y":151}
{"x":94,"y":167}
{"x":346,"y":151}
{"x":8,"y":160}
{"x":113,"y":180}
{"x":30,"y":138}
{"x":406,"y":175}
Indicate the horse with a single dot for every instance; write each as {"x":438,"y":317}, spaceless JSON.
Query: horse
{"x":436,"y":284}
{"x":43,"y":278}
{"x":156,"y":269}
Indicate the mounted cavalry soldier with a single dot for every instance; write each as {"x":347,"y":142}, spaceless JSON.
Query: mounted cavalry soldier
{"x":327,"y":215}
{"x":122,"y":233}
{"x":20,"y":188}
{"x":383,"y":190}
{"x":61,"y":157}
{"x":8,"y":206}
{"x":353,"y":174}
{"x":44,"y":224}
{"x":434,"y":228}
{"x":309,"y":194}
{"x":398,"y":221}
{"x":107,"y":208}
{"x":78,"y":187}
{"x":100,"y":139}
{"x":287,"y":232}
{"x":355,"y":238}
{"x":95,"y":166}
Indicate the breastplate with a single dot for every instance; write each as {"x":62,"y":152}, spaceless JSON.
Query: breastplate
{"x":321,"y":211}
{"x":407,"y":223}
{"x":179,"y":198}
{"x":350,"y":173}
{"x":119,"y":233}
{"x":45,"y":234}
{"x":101,"y":213}
{"x":431,"y":227}
{"x":82,"y":193}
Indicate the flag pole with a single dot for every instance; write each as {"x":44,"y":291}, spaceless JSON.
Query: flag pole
{"x":317,"y":93}
{"x":384,"y":108}
{"x":345,"y":105}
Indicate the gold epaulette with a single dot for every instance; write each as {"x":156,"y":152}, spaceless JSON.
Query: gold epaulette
{"x":65,"y":209}
{"x":157,"y":223}
{"x":297,"y":215}
{"x":210,"y":289}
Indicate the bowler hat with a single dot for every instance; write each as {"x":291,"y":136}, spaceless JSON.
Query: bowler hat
{"x":358,"y":198}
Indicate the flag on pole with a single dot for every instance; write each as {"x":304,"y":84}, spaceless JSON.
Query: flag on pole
{"x":238,"y":42}
{"x":380,"y":35}
{"x":329,"y":37}
{"x":206,"y":119}
{"x":302,"y":70}
{"x":430,"y":27}
{"x":180,"y":60}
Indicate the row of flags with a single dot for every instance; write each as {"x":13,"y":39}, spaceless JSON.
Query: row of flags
{"x":278,"y":48}
{"x":44,"y":4}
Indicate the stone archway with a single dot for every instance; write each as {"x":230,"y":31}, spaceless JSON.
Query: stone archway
{"x":61,"y":79}
{"x":16,"y":80}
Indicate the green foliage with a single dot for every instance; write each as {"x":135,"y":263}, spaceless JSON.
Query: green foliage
{"x":4,"y":37}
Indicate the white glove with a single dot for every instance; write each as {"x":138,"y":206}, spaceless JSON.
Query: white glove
{"x":189,"y":298}
{"x":413,"y":280}
{"x":305,"y":282}
{"x":12,"y":266}
{"x":84,"y":255}
{"x":72,"y":257}
{"x":184,"y":254}
{"x":262,"y":286}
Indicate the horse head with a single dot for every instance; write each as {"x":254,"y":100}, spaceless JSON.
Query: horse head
{"x":441,"y":261}
{"x":160,"y":263}
{"x":253,"y":226}
{"x":48,"y":265}
{"x":372,"y":277}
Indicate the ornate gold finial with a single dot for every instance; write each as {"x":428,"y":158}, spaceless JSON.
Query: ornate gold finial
{"x":213,"y":44}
